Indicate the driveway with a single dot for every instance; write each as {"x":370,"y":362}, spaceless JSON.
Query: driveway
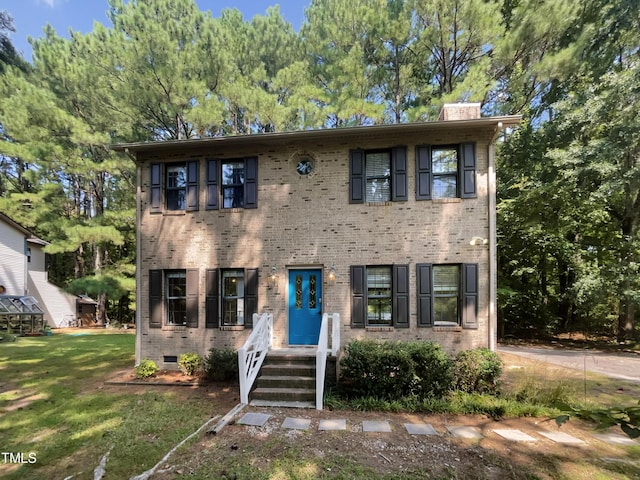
{"x":625,"y":366}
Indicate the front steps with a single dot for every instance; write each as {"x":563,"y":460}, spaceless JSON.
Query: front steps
{"x":287,"y":379}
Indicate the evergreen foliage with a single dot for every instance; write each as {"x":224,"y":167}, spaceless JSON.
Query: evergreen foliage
{"x":568,"y":179}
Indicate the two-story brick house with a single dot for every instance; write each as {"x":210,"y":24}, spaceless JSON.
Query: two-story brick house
{"x":391,"y":226}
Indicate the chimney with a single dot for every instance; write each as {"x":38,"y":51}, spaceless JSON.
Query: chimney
{"x":459,"y":111}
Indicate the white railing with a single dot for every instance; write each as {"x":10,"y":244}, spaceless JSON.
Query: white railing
{"x":323,"y":351}
{"x":253,"y":353}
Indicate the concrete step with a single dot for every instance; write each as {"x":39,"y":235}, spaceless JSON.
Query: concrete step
{"x":284,"y":394}
{"x":282,"y":359}
{"x":285,"y":381}
{"x":292,"y":370}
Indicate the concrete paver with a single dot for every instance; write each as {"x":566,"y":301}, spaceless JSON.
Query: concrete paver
{"x":254,"y":419}
{"x":471,"y":433}
{"x":515,"y":435}
{"x":376,"y":426}
{"x":420,"y":429}
{"x":616,"y":439}
{"x":561,"y":437}
{"x":339,"y":424}
{"x":296,"y":423}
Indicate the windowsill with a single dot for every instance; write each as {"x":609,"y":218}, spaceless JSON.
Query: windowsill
{"x":444,"y":327}
{"x":174,"y":328}
{"x":174,"y":213}
{"x":446,"y":200}
{"x":231,"y":210}
{"x":232,"y":328}
{"x":379,"y":329}
{"x":379,"y":204}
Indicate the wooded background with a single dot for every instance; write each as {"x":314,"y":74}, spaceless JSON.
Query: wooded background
{"x":568,"y":179}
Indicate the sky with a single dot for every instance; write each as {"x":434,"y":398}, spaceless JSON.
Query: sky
{"x":30,"y":16}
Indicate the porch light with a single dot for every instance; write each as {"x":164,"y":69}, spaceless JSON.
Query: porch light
{"x":331,"y":278}
{"x":479,"y":241}
{"x":273,"y":278}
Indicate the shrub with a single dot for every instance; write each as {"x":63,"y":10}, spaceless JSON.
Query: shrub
{"x":146,"y":368}
{"x":477,"y":371}
{"x":394,"y":370}
{"x":190,"y":363}
{"x":221,"y":365}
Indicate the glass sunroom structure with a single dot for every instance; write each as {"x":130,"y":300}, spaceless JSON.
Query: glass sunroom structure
{"x":20,"y":315}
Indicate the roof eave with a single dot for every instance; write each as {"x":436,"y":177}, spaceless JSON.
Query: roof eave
{"x":299,"y":135}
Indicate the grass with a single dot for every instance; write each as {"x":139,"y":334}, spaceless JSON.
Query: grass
{"x":54,"y":404}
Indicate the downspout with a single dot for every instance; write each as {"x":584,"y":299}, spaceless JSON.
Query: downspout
{"x":138,"y":256}
{"x":493,"y":249}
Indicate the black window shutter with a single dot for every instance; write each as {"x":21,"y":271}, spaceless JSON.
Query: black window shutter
{"x":251,"y":182}
{"x":400,"y":293}
{"x":399,"y":174}
{"x":193,"y":191}
{"x":156,"y":187}
{"x":425,"y":295}
{"x":212,"y":185}
{"x":357,"y":177}
{"x":193,"y":294}
{"x":155,"y":299}
{"x":468,"y":170}
{"x":250,"y":296}
{"x":211,"y":300}
{"x":423,"y":172}
{"x":358,"y":296}
{"x":470,"y":295}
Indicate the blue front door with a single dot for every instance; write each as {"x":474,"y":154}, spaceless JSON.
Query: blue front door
{"x":305,"y":306}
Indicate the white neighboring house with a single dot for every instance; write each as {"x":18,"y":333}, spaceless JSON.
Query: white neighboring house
{"x":23,"y":272}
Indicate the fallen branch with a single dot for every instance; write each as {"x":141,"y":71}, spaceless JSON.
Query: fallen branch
{"x":148,"y":473}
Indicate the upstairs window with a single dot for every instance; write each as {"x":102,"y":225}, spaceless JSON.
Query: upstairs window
{"x":378,"y":175}
{"x":445,"y":171}
{"x":232,"y":184}
{"x":176,"y":187}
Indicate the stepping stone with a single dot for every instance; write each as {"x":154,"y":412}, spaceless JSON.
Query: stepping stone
{"x":471,"y":433}
{"x":373,"y":426}
{"x":332,"y":425}
{"x":615,"y":439}
{"x":420,"y":429}
{"x":561,"y":437}
{"x":515,"y":435}
{"x":254,"y":419}
{"x":296,"y":423}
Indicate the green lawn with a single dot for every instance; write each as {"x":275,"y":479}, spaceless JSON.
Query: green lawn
{"x":54,"y":406}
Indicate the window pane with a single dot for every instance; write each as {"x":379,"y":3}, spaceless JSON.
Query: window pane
{"x":233,"y":297}
{"x":379,"y":296}
{"x":444,"y":160}
{"x":446,"y":288}
{"x":175,"y":293}
{"x":378,"y":172}
{"x":233,"y":173}
{"x":176,"y":176}
{"x":379,"y":311}
{"x":176,"y":285}
{"x":446,"y":279}
{"x":233,"y":197}
{"x":445,"y":186}
{"x":445,"y":309}
{"x":176,"y":199}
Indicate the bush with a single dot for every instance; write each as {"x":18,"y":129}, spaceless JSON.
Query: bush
{"x":221,"y":365}
{"x":394,"y":370}
{"x":190,"y":363}
{"x":146,"y":368}
{"x":477,"y":371}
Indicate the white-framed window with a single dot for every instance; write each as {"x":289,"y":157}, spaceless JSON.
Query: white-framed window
{"x":233,"y":297}
{"x":176,"y":297}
